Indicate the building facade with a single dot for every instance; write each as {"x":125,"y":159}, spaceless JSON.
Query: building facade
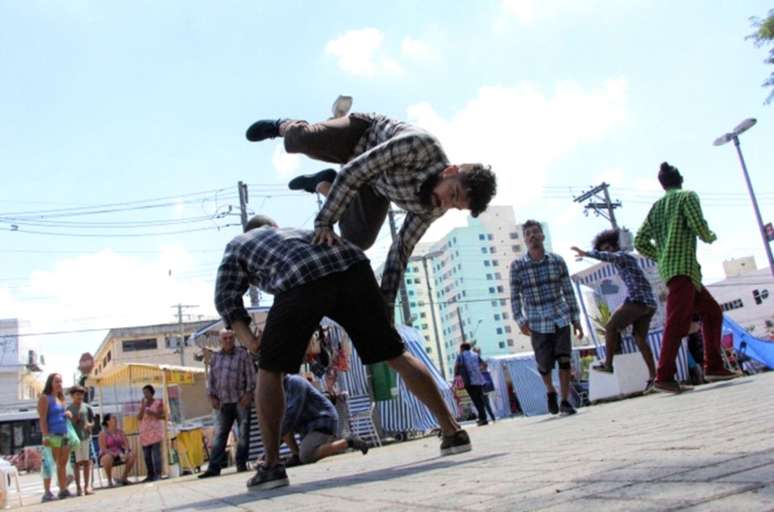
{"x":152,"y":344}
{"x":462,"y":282}
{"x":747,"y":296}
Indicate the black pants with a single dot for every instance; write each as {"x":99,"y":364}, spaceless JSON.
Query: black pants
{"x":488,"y":406}
{"x":152,"y":455}
{"x":477,"y":395}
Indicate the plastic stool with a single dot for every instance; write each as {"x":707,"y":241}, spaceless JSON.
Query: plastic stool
{"x":8,"y":471}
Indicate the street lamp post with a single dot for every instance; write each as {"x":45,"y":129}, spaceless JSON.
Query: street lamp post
{"x":734,"y":136}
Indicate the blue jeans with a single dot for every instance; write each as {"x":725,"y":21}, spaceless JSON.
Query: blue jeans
{"x":152,"y":455}
{"x":227,"y":415}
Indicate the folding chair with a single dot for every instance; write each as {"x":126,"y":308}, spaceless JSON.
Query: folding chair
{"x":361,"y":419}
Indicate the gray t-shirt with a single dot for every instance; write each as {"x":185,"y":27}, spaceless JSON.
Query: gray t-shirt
{"x":81,"y":417}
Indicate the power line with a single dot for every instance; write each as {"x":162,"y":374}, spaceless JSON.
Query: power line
{"x":116,"y":235}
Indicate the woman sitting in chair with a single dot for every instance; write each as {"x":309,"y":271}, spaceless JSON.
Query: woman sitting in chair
{"x":114,"y":450}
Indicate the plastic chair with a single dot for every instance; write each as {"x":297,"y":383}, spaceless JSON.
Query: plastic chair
{"x":8,"y":472}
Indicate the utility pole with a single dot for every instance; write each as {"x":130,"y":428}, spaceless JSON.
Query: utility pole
{"x":603,"y":205}
{"x":459,"y":319}
{"x":180,"y":335}
{"x":255,"y":295}
{"x":403,"y":293}
{"x":432,"y":316}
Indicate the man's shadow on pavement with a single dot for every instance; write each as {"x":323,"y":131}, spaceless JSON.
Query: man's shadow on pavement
{"x":376,"y":475}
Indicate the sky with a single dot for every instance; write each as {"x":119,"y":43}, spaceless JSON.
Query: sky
{"x":137,"y":110}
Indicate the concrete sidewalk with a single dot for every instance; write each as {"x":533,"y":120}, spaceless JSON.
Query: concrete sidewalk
{"x":710,"y":449}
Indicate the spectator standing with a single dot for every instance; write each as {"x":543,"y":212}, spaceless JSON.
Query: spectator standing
{"x":53,"y":413}
{"x":468,"y":366}
{"x":230,"y":386}
{"x":152,"y":419}
{"x":82,"y":419}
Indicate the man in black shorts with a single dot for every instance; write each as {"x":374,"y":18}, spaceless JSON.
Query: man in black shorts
{"x":544,"y":306}
{"x":310,"y":282}
{"x":382,"y":160}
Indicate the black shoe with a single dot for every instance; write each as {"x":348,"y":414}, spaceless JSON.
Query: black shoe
{"x":458,"y":442}
{"x":553,"y":404}
{"x":292,"y":461}
{"x":566,"y":409}
{"x":482,"y":423}
{"x":602,"y":367}
{"x":308,"y":182}
{"x":264,"y":129}
{"x":268,"y":478}
{"x":358,"y":444}
{"x":209,"y":474}
{"x":241,"y":468}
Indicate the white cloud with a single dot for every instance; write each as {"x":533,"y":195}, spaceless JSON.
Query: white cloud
{"x":522,"y":132}
{"x":362,"y":53}
{"x":527,"y":12}
{"x":418,"y":50}
{"x":285,"y":163}
{"x":105,"y":289}
{"x":359,"y":52}
{"x":523,"y":10}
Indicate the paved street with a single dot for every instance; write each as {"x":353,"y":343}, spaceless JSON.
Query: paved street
{"x":710,"y":449}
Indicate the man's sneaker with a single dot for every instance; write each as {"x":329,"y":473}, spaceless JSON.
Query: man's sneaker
{"x":482,"y":423}
{"x":64,"y":493}
{"x":209,"y":474}
{"x":602,"y":367}
{"x":719,"y":375}
{"x":455,"y":443}
{"x":649,"y":387}
{"x":566,"y":409}
{"x":268,"y":478}
{"x":49,"y":496}
{"x":241,"y":468}
{"x":553,"y":404}
{"x":667,"y":386}
{"x":309,"y":182}
{"x":264,"y":129}
{"x":358,"y":444}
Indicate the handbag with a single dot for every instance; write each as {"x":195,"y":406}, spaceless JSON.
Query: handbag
{"x":73,"y":441}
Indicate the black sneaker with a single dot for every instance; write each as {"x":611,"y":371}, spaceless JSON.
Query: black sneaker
{"x":602,"y":367}
{"x":268,"y":478}
{"x":566,"y":409}
{"x":458,"y":442}
{"x":308,"y":182}
{"x":553,"y":404}
{"x":358,"y":444}
{"x":264,"y":129}
{"x":209,"y":474}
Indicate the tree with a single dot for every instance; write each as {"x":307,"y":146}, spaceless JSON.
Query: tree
{"x":764,"y":36}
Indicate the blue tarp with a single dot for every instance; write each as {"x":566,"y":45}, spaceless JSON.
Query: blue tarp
{"x":756,"y":348}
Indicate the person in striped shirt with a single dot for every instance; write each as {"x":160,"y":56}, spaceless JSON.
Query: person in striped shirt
{"x":638,"y":307}
{"x":668,"y":236}
{"x":382,"y":160}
